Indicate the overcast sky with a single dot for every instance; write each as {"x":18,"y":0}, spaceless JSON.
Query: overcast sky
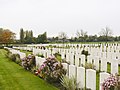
{"x":54,"y":16}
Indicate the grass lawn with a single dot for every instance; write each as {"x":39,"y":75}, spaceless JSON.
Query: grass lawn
{"x":14,"y":77}
{"x":27,"y":52}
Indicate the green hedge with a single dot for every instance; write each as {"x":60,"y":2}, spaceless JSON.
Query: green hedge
{"x":1,"y":47}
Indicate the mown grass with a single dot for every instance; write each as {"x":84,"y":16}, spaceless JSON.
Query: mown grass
{"x":97,"y":81}
{"x":14,"y":77}
{"x":108,"y":67}
{"x":27,"y":52}
{"x":119,"y":69}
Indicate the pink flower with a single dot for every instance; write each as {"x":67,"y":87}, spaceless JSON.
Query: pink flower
{"x":42,"y":66}
{"x":110,"y":81}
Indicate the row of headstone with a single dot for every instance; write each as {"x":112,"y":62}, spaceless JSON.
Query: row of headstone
{"x":85,"y":77}
{"x":73,"y":55}
{"x":109,"y":56}
{"x":22,"y":55}
{"x":104,"y":46}
{"x":75,"y":58}
{"x":79,"y":74}
{"x":79,"y":60}
{"x":92,"y":50}
{"x":23,"y":48}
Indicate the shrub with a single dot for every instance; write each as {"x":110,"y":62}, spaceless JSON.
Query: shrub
{"x":13,"y":57}
{"x":8,"y":52}
{"x":111,"y":83}
{"x":89,"y":66}
{"x":28,"y":62}
{"x":69,"y":83}
{"x":58,"y":56}
{"x":1,"y":47}
{"x":51,"y":70}
{"x":18,"y":60}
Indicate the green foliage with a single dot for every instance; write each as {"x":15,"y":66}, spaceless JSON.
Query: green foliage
{"x":18,"y":61}
{"x":28,"y":39}
{"x":1,"y":47}
{"x":69,"y":83}
{"x":58,"y":56}
{"x":42,"y":38}
{"x":13,"y":57}
{"x":8,"y":53}
{"x":21,"y":35}
{"x":26,"y":36}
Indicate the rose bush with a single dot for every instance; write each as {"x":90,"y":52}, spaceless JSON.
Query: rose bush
{"x":28,"y":62}
{"x":51,"y":70}
{"x":111,"y":83}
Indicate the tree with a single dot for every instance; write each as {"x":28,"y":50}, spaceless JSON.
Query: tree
{"x":42,"y":38}
{"x":28,"y":39}
{"x":82,"y":35}
{"x":106,"y":33}
{"x":62,"y":36}
{"x":31,"y":33}
{"x":21,"y":35}
{"x":92,"y":38}
{"x":6,"y":36}
{"x":1,"y":31}
{"x":78,"y":34}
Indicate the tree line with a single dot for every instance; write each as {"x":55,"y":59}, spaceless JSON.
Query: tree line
{"x":105,"y":35}
{"x":27,"y":37}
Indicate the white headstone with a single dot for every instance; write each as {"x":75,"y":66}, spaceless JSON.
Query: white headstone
{"x":72,"y":71}
{"x":77,"y":61}
{"x":96,"y":62}
{"x":103,"y":76}
{"x":65,"y":66}
{"x":91,"y":79}
{"x":114,"y":66}
{"x":39,"y":61}
{"x":103,"y":65}
{"x":89,"y":59}
{"x":22,"y":55}
{"x":63,"y":55}
{"x":72,"y":58}
{"x":81,"y":77}
{"x":67,"y":57}
{"x":82,"y":60}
